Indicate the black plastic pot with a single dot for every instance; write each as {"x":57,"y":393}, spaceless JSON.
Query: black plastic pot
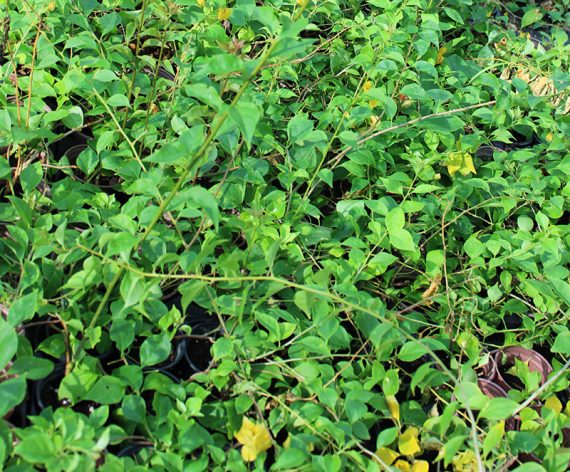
{"x":63,"y":146}
{"x":204,"y":328}
{"x":45,"y":394}
{"x":175,"y":357}
{"x":132,"y":449}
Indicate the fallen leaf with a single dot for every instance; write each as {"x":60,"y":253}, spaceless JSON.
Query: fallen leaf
{"x":387,"y":455}
{"x":254,"y":438}
{"x":408,"y":443}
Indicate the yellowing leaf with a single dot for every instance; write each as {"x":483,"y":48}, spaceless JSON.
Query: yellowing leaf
{"x":224,"y":14}
{"x":420,"y":466}
{"x":287,"y":442}
{"x":465,"y":462}
{"x":394,"y":407}
{"x":440,"y":55}
{"x":386,"y":455}
{"x":550,"y":136}
{"x":367,"y":86}
{"x":460,"y":161}
{"x":201,"y":3}
{"x":553,"y":404}
{"x":51,"y":6}
{"x":403,"y":466}
{"x":408,"y":443}
{"x":254,"y":438}
{"x":373,"y":103}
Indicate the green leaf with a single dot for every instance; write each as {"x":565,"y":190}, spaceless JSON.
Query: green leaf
{"x":290,"y":459}
{"x":562,"y":343}
{"x":493,"y":437}
{"x":118,"y":100}
{"x":498,"y":409}
{"x":155,"y":349}
{"x":469,"y":394}
{"x":134,"y":409}
{"x":36,"y":448}
{"x":395,"y":220}
{"x":402,"y":239}
{"x":246,"y":115}
{"x":31,"y":176}
{"x":299,"y":128}
{"x":531,"y":16}
{"x":181,"y":149}
{"x":8,"y":341}
{"x":33,"y":368}
{"x":106,"y":391}
{"x":87,"y":161}
{"x":12,"y":393}
{"x":199,"y":197}
{"x":23,"y":309}
{"x":105,"y":75}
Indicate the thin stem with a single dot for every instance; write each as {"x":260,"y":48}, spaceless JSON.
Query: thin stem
{"x":189,"y":166}
{"x":120,"y":129}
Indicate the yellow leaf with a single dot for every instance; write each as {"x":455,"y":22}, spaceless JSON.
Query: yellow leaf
{"x":51,"y":6}
{"x":394,"y":407}
{"x":460,"y":161}
{"x":553,"y":403}
{"x":374,"y":120}
{"x":387,"y":455}
{"x":420,"y":466}
{"x":373,"y":103}
{"x":403,"y":466}
{"x":408,"y":443}
{"x":224,"y":14}
{"x":287,"y":442}
{"x":440,"y":55}
{"x":465,"y":462}
{"x":201,"y":3}
{"x":254,"y":438}
{"x":367,"y":86}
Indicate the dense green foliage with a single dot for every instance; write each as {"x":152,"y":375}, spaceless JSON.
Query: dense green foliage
{"x":354,"y":215}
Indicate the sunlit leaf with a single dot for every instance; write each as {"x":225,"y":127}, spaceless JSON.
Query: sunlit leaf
{"x":460,"y":161}
{"x":254,"y":438}
{"x":408,"y":443}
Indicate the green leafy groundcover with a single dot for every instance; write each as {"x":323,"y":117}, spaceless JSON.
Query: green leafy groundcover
{"x":313,"y":236}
